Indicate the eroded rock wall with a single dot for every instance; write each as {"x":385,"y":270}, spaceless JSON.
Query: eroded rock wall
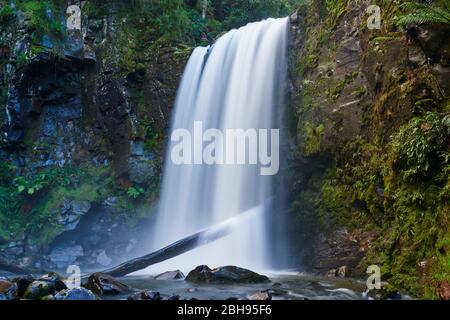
{"x":367,"y":107}
{"x":83,"y":139}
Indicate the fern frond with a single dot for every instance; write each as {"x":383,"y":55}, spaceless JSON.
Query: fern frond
{"x":421,"y":13}
{"x":447,"y":4}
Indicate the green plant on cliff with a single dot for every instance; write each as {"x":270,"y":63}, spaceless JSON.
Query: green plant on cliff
{"x":29,"y":203}
{"x":425,"y":13}
{"x":42,"y":16}
{"x":401,"y":191}
{"x":135,"y":193}
{"x":6,"y":14}
{"x":421,"y":146}
{"x":312,"y":138}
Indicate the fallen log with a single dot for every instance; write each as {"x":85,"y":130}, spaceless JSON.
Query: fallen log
{"x":171,"y":251}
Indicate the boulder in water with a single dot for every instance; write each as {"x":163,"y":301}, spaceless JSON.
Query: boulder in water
{"x":39,"y":289}
{"x":75,"y":294}
{"x":8,"y":289}
{"x":260,"y":296}
{"x":343,"y":272}
{"x":225,"y":275}
{"x":103,"y":284}
{"x":22,"y":284}
{"x":45,"y":286}
{"x":145,"y":295}
{"x":170,"y":275}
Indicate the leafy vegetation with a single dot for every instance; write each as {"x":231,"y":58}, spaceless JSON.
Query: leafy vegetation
{"x":392,"y":186}
{"x":425,"y":13}
{"x":401,"y":192}
{"x":43,"y":16}
{"x":6,"y":14}
{"x":135,"y":193}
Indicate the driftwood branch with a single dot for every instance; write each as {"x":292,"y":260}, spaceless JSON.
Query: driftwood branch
{"x":182,"y":246}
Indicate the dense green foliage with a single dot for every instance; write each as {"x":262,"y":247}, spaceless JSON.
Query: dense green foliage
{"x":425,"y":13}
{"x":44,"y":16}
{"x":392,"y":186}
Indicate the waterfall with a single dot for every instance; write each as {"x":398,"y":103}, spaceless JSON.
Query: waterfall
{"x":238,"y":83}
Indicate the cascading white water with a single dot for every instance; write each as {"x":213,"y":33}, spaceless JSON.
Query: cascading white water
{"x":238,"y":83}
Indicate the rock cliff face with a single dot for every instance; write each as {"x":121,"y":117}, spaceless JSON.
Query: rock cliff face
{"x":86,"y":118}
{"x":367,"y":186}
{"x":84,"y":131}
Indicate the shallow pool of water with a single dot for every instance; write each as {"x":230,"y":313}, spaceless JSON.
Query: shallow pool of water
{"x":284,"y":286}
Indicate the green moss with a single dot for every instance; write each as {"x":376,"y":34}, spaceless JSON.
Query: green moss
{"x":402,"y":192}
{"x":43,"y":16}
{"x":30,"y":202}
{"x":360,"y":92}
{"x":312,"y":138}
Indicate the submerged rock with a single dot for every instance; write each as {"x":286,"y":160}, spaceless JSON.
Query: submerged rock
{"x":170,"y":275}
{"x":387,"y":292}
{"x":76,"y":294}
{"x":103,"y":284}
{"x":223,"y":275}
{"x":146,"y":295}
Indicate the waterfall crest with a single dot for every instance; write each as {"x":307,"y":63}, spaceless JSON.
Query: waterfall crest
{"x":238,"y":83}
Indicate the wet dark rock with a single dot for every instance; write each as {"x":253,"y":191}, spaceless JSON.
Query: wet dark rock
{"x":433,"y":39}
{"x":76,"y":294}
{"x":170,"y":275}
{"x":45,"y":286}
{"x":140,"y":170}
{"x":443,"y":77}
{"x":338,"y":249}
{"x":343,"y":272}
{"x":228,"y":274}
{"x":145,"y":295}
{"x":72,"y":212}
{"x":66,"y":255}
{"x":8,"y":289}
{"x":103,"y":284}
{"x":260,"y":296}
{"x":294,"y":18}
{"x":277,"y":292}
{"x":385,"y":293}
{"x":331,"y":273}
{"x":22,"y":284}
{"x":110,"y":203}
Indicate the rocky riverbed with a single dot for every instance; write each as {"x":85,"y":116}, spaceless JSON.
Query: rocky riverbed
{"x":202,"y":283}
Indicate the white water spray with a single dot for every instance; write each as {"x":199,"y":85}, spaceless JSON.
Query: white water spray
{"x":238,"y":83}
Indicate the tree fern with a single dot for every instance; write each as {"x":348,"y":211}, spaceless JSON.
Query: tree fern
{"x":422,"y":13}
